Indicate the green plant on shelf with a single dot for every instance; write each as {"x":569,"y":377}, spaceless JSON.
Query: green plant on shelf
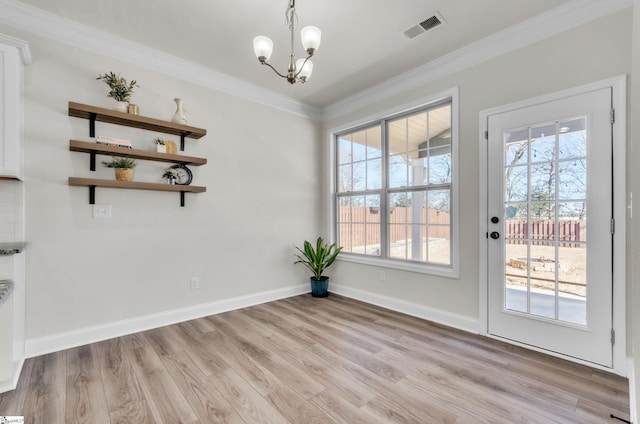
{"x":126,"y":163}
{"x":121,"y":89}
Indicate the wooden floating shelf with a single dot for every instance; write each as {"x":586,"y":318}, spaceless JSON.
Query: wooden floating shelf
{"x":94,"y":113}
{"x":134,"y":185}
{"x":102,"y":149}
{"x":92,"y":183}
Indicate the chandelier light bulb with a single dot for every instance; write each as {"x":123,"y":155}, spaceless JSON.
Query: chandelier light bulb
{"x":263,"y":47}
{"x":311,"y":37}
{"x":304,"y":69}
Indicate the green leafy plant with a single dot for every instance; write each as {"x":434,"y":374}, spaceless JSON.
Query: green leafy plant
{"x":318,"y":259}
{"x":127,"y":163}
{"x":121,"y":90}
{"x":159,"y":141}
{"x":170,"y":173}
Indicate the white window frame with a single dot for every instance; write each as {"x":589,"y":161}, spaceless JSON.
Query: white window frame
{"x":452,"y":271}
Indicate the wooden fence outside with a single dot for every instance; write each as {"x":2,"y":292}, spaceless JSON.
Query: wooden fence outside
{"x":360,"y":234}
{"x":365,"y":227}
{"x":571,"y":233}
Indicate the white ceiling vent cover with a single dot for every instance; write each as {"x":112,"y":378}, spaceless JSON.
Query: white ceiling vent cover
{"x":427,"y":24}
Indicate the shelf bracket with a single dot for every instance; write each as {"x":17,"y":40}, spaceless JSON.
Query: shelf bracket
{"x":182,"y":137}
{"x":92,"y":125}
{"x":92,"y":195}
{"x":182,"y":199}
{"x":92,"y":161}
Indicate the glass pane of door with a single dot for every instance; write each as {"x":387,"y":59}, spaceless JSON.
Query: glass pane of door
{"x":545,"y":172}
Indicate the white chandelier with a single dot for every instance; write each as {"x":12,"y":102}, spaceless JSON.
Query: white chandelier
{"x":300,"y":69}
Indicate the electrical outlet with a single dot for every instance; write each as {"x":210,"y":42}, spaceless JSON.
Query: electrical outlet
{"x":102,"y":211}
{"x":383,"y":275}
{"x":195,"y":283}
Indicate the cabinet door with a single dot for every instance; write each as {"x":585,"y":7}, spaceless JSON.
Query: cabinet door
{"x":11,"y":113}
{"x":6,"y":340}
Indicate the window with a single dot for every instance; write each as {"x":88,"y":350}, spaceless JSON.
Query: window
{"x":394,"y":185}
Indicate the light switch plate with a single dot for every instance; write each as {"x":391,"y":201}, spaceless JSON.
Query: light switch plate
{"x":101,"y":211}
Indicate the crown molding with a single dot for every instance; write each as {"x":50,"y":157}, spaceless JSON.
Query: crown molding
{"x":23,"y":47}
{"x":49,"y":25}
{"x":555,"y":21}
{"x":565,"y":17}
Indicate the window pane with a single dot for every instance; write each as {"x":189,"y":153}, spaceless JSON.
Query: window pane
{"x":544,"y":148}
{"x":543,"y":280}
{"x":543,"y":181}
{"x":359,"y":224}
{"x":359,"y":177}
{"x":516,"y":147}
{"x":439,"y":244}
{"x":344,"y":149}
{"x":516,"y":184}
{"x":418,"y":155}
{"x":572,"y":142}
{"x":374,"y":174}
{"x":572,"y":177}
{"x":438,"y":205}
{"x":440,"y":168}
{"x":359,"y":160}
{"x":573,"y":221}
{"x":398,"y":171}
{"x":345,"y":178}
{"x":374,"y":142}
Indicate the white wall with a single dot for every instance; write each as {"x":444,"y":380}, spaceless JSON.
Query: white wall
{"x":262,"y":196}
{"x":589,"y":53}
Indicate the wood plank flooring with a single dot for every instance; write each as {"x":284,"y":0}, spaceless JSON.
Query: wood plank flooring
{"x":303,"y":360}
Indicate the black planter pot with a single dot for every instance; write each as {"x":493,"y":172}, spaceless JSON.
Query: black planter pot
{"x":319,"y":288}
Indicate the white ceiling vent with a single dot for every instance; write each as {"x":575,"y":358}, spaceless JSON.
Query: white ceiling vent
{"x":427,"y":24}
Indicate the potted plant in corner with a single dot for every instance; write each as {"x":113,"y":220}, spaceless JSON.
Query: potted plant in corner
{"x":317,"y":260}
{"x":123,"y":168}
{"x":121,"y":90}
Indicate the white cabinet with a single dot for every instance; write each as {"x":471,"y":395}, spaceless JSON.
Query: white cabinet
{"x":12,"y":319}
{"x":14,"y":54}
{"x":6,"y":339}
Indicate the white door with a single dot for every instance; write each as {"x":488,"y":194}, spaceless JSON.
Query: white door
{"x":550,"y":226}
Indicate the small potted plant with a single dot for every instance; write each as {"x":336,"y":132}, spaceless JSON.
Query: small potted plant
{"x":123,"y":168}
{"x":317,"y":260}
{"x":165,"y":146}
{"x":121,"y":90}
{"x":160,"y":146}
{"x":171,"y":175}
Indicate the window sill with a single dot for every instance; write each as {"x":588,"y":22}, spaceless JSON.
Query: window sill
{"x":440,"y":271}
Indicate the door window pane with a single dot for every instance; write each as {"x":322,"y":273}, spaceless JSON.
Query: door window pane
{"x":545,"y":220}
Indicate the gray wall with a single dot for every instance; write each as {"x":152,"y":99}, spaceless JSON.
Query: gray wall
{"x":262,"y":196}
{"x":589,"y":53}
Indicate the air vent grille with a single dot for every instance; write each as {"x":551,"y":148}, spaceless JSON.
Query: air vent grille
{"x":427,"y":24}
{"x":432,"y":22}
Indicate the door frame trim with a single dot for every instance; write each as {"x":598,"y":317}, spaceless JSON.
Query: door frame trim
{"x":619,"y":91}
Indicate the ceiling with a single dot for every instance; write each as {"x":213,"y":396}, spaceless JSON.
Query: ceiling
{"x":362,"y":40}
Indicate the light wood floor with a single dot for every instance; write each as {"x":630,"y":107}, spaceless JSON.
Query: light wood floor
{"x":303,"y":360}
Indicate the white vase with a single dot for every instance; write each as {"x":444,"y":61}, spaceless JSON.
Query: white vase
{"x":180,"y":117}
{"x":121,"y":106}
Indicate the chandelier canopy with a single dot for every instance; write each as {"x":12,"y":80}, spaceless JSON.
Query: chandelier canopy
{"x":298,"y":69}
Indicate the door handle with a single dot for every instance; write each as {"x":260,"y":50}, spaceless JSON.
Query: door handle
{"x":494,"y":235}
{"x":495,"y":219}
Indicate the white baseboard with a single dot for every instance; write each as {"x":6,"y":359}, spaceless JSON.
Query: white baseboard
{"x":56,"y":342}
{"x":12,"y":383}
{"x":439,"y":316}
